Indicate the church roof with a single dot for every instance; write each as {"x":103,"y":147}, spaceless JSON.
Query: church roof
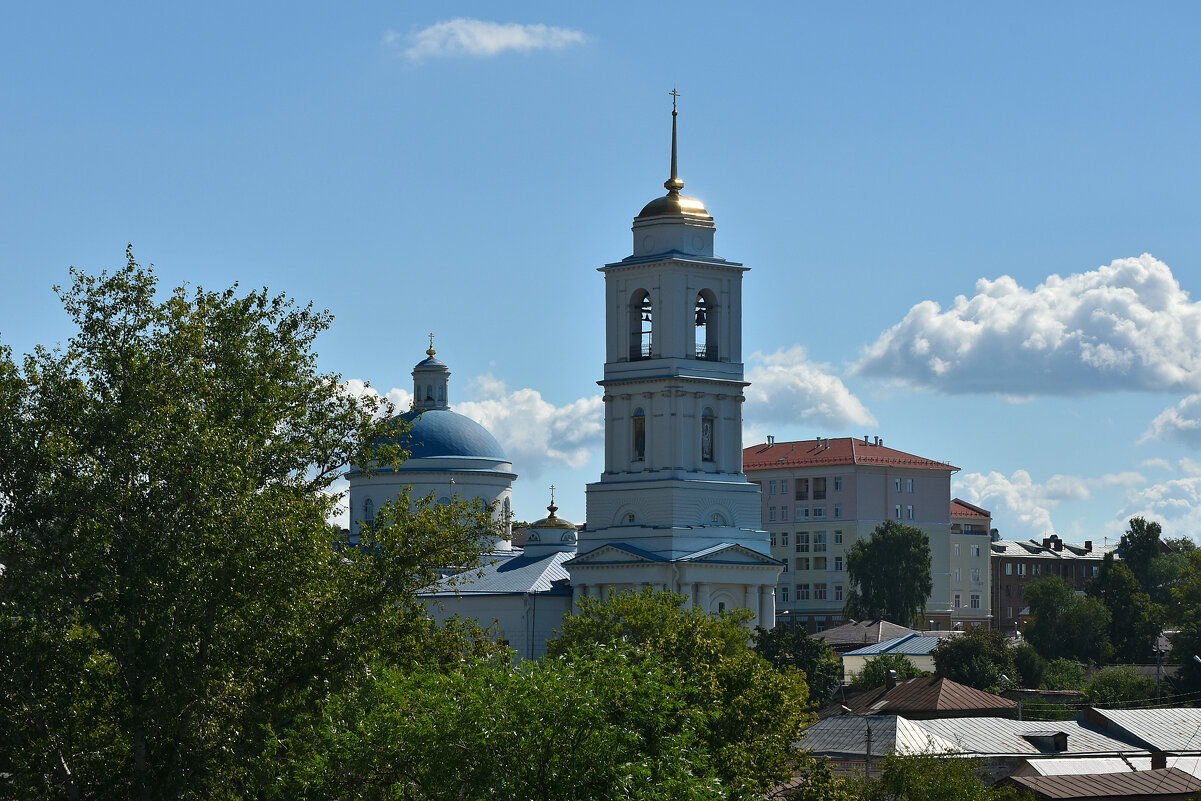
{"x":510,"y":575}
{"x":441,"y":432}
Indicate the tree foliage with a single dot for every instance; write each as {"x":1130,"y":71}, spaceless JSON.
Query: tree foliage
{"x":1063,"y":674}
{"x":875,"y":671}
{"x":1135,"y":622}
{"x":1029,"y":664}
{"x":172,"y":590}
{"x":754,"y":712}
{"x":1139,"y":546}
{"x":1064,"y":624}
{"x":977,"y":657}
{"x":789,"y":645}
{"x":1119,"y":685}
{"x":931,"y":777}
{"x":890,"y":574}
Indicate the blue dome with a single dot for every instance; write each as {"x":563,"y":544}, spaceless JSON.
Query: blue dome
{"x":441,"y":432}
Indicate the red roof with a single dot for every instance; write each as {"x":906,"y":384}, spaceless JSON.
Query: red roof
{"x":961,"y":508}
{"x":833,"y":451}
{"x":928,"y":694}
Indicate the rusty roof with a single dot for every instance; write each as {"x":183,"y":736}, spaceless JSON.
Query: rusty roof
{"x":833,"y":451}
{"x":928,"y":694}
{"x":1160,"y":783}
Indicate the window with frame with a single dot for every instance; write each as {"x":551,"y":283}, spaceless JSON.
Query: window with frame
{"x":1096,"y":571}
{"x":783,"y":512}
{"x":838,"y":564}
{"x":975,"y":574}
{"x":837,"y":592}
{"x":819,"y":489}
{"x":838,"y":483}
{"x":956,"y":575}
{"x":819,"y":541}
{"x":784,"y":594}
{"x":819,"y":592}
{"x":956,"y":600}
{"x":819,"y":511}
{"x":802,"y":592}
{"x":975,"y":600}
{"x":838,"y":510}
{"x":708,"y":430}
{"x":838,"y":537}
{"x":909,"y":511}
{"x":802,"y":513}
{"x":771,"y":514}
{"x":802,"y":489}
{"x":819,"y":563}
{"x":957,"y":549}
{"x":802,"y":542}
{"x":785,"y":570}
{"x":771,"y":487}
{"x":783,"y":486}
{"x":773,"y":540}
{"x":802,"y":563}
{"x":368,"y":511}
{"x":897,"y":484}
{"x":1036,"y":570}
{"x":909,"y":485}
{"x":1021,"y":568}
{"x":639,"y":418}
{"x":897,"y":511}
{"x":784,"y":539}
{"x":1009,"y":568}
{"x":976,"y":551}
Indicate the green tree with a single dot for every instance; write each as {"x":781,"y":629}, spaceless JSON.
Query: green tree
{"x":1120,"y":684}
{"x":890,"y":574}
{"x":1135,"y":622}
{"x":977,"y":658}
{"x":875,"y":671}
{"x":1029,"y":664}
{"x":1186,"y":610}
{"x":1063,"y":674}
{"x":931,"y":777}
{"x":754,"y":713}
{"x":789,"y":645}
{"x":1064,"y":624}
{"x":172,"y":589}
{"x":1139,"y":546}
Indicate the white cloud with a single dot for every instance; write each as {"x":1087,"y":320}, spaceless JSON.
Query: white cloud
{"x":1125,"y":326}
{"x":1022,"y":508}
{"x":402,"y":400}
{"x":1180,"y":423}
{"x":1175,"y":504}
{"x":481,"y":39}
{"x":788,"y":388}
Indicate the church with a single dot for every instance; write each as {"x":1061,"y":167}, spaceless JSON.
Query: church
{"x":673,"y":508}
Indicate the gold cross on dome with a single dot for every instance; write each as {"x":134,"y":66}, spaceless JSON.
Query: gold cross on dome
{"x":552,"y":493}
{"x":431,"y":351}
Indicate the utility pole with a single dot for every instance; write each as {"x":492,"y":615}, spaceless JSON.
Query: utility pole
{"x":867,"y":774}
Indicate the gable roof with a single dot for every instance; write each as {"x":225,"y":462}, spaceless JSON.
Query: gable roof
{"x":961,"y":508}
{"x":992,"y":736}
{"x":915,"y":644}
{"x":1175,"y":730}
{"x":929,"y":694}
{"x":833,"y":451}
{"x":510,"y":575}
{"x":846,"y":735}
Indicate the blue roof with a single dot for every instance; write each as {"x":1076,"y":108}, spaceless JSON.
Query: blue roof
{"x":441,"y":432}
{"x":512,"y":574}
{"x":912,"y":644}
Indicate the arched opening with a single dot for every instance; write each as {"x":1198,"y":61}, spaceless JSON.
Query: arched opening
{"x":706,"y":326}
{"x":429,"y":392}
{"x":641,"y":325}
{"x":368,"y":512}
{"x":441,"y":393}
{"x":639,"y":418}
{"x":708,"y":432}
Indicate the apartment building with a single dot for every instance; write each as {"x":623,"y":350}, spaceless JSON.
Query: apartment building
{"x":970,"y":578}
{"x":1016,"y":563}
{"x":819,"y":496}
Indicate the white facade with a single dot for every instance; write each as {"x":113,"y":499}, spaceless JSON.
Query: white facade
{"x":673,"y":508}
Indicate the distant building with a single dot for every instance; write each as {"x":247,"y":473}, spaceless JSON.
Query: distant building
{"x":970,"y":577}
{"x":1016,"y":563}
{"x":821,"y":495}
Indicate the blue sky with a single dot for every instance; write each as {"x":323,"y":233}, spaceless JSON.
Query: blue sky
{"x":972,"y":230}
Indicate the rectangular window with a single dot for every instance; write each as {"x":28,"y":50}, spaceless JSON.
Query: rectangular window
{"x":785,"y":570}
{"x":802,"y":592}
{"x":819,"y":563}
{"x":802,"y":563}
{"x":956,"y":600}
{"x":1009,"y":568}
{"x":956,"y":575}
{"x":838,"y":563}
{"x":975,"y":600}
{"x":819,"y":489}
{"x":784,"y":539}
{"x":771,"y":488}
{"x":909,"y":485}
{"x":802,"y":513}
{"x":784,"y":594}
{"x":771,"y":514}
{"x":802,"y":489}
{"x":909,"y":511}
{"x":819,"y":541}
{"x":975,"y":574}
{"x":838,"y":510}
{"x":898,"y":511}
{"x":819,"y":592}
{"x":819,"y":511}
{"x":897,"y":484}
{"x":838,"y":537}
{"x":802,"y":542}
{"x":1008,"y":587}
{"x":838,"y":483}
{"x":819,"y":626}
{"x":1021,"y":569}
{"x":783,"y":486}
{"x":1096,"y":571}
{"x":957,"y":549}
{"x":837,"y":592}
{"x":773,"y":540}
{"x":1036,"y":570}
{"x":976,"y":551}
{"x":1009,"y":611}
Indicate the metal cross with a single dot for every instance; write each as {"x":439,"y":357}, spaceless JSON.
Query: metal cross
{"x":552,"y":493}
{"x":674,"y":94}
{"x":431,"y":339}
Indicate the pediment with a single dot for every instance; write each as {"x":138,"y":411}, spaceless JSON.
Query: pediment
{"x":730,"y":553}
{"x":616,"y":553}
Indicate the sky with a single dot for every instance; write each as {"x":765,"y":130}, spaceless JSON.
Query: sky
{"x":972,"y":229}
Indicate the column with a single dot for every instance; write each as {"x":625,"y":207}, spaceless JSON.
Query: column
{"x":767,"y":606}
{"x":752,"y":602}
{"x":578,"y":592}
{"x":702,"y":595}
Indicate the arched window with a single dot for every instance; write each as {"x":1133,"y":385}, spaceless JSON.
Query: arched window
{"x":429,"y":392}
{"x":641,"y":325}
{"x":708,"y":432}
{"x":368,"y":512}
{"x":441,"y":393}
{"x":706,"y":326}
{"x":639,"y":418}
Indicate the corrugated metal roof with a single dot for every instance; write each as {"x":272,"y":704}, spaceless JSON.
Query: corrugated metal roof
{"x":862,"y":632}
{"x":1029,"y":548}
{"x":846,"y":735}
{"x":1143,"y":784}
{"x":910,"y":644}
{"x":1074,"y":766}
{"x":1176,"y":729}
{"x":1002,"y":736}
{"x":930,"y":694}
{"x":511,"y":575}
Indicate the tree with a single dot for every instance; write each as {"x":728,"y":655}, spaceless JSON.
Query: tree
{"x":1121,"y":684}
{"x":977,"y":658}
{"x":1135,"y":622}
{"x":931,"y":777}
{"x":1063,"y":674}
{"x":1139,"y":546}
{"x":875,"y":671}
{"x":1064,"y":624}
{"x":890,"y":574}
{"x":172,"y":590}
{"x":1029,"y":664}
{"x":1186,"y":610}
{"x":754,"y":713}
{"x":789,"y":645}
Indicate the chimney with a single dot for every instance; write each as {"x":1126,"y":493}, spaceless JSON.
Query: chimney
{"x":891,"y":681}
{"x":1058,"y":544}
{"x":865,"y":439}
{"x":771,"y":440}
{"x":1088,"y":545}
{"x":877,"y":441}
{"x":1159,"y":760}
{"x":1046,"y":542}
{"x":881,"y":442}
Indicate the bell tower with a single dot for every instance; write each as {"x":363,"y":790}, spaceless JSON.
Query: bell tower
{"x":673,"y":493}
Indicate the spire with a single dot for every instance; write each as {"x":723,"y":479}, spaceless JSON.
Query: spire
{"x":674,"y":184}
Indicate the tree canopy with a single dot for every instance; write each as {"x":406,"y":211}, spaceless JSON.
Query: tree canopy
{"x":875,"y":671}
{"x":1135,"y":622}
{"x":172,"y":590}
{"x":1139,"y":546}
{"x":977,"y":657}
{"x":890,"y":574}
{"x":1066,"y":625}
{"x":789,"y":645}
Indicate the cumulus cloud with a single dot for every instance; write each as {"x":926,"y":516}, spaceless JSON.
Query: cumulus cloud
{"x":1175,"y":504}
{"x":1125,"y":326}
{"x":788,"y":388}
{"x":1022,"y":507}
{"x":402,"y":400}
{"x":1180,"y":423}
{"x":480,"y":39}
{"x":535,"y":433}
